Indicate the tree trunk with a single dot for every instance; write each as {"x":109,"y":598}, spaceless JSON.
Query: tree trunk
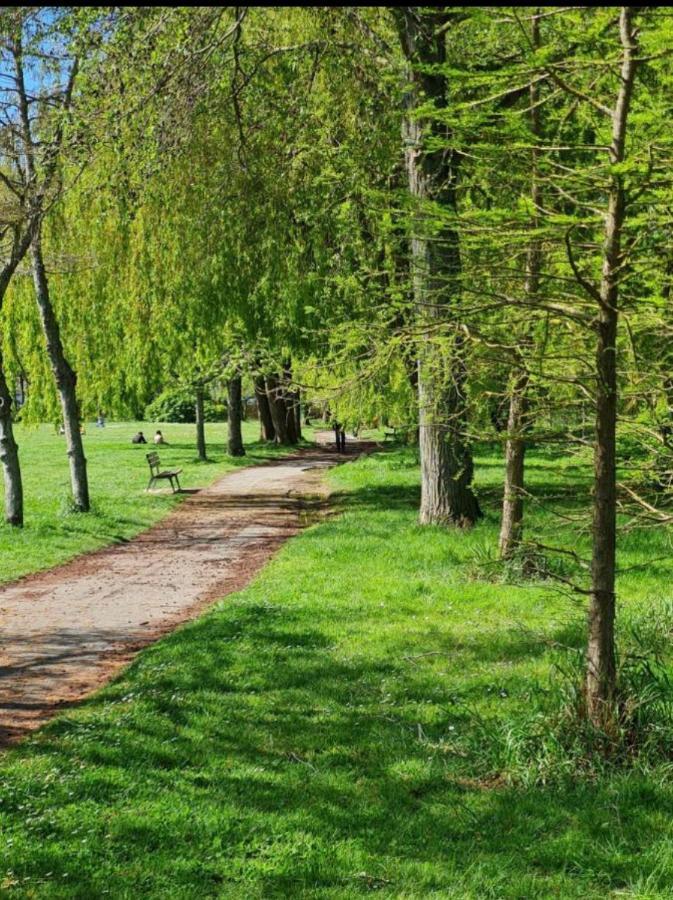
{"x":200,"y":425}
{"x":289,"y":401}
{"x":297,"y":414}
{"x":277,"y":409}
{"x":9,"y":450}
{"x":281,"y":411}
{"x":65,"y":378}
{"x":601,"y":667}
{"x":446,"y":460}
{"x":235,"y":443}
{"x":266,"y":430}
{"x":511,"y":527}
{"x":9,"y":456}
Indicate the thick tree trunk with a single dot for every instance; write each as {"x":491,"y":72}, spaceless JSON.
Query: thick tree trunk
{"x":446,"y":460}
{"x":9,"y":456}
{"x":282,"y":411}
{"x":65,"y":378}
{"x":601,"y":667}
{"x":277,"y":408}
{"x":266,"y":430}
{"x":511,"y":527}
{"x":235,"y":442}
{"x":200,"y":424}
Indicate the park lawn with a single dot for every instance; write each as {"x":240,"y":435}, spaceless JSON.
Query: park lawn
{"x":118,"y":476}
{"x":348,"y":726}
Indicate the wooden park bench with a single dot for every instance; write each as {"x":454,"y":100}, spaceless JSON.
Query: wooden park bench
{"x":156,"y":474}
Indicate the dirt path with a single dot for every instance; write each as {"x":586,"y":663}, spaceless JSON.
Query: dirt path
{"x":66,"y":631}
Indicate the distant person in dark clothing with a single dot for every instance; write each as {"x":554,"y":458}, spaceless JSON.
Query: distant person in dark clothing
{"x":340,"y":437}
{"x":138,"y":438}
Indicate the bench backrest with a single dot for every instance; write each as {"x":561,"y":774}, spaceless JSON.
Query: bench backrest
{"x":154,"y":464}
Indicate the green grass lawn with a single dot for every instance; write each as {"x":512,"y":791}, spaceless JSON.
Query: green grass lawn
{"x":118,"y":476}
{"x":360,"y":721}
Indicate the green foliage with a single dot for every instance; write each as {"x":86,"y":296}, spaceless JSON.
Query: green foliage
{"x":175,"y":405}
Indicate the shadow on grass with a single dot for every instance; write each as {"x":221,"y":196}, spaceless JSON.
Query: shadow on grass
{"x":382,"y":498}
{"x":251,"y":731}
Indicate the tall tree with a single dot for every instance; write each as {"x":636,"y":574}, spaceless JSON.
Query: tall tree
{"x":601,"y":669}
{"x":432,"y":165}
{"x":511,"y":528}
{"x":30,"y":183}
{"x":65,"y":378}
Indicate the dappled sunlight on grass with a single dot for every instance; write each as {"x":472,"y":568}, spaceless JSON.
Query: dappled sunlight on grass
{"x":337,"y":729}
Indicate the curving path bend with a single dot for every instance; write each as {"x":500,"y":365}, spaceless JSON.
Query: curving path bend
{"x":66,"y":631}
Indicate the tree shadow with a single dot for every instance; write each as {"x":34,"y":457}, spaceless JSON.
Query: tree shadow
{"x":380,"y":498}
{"x":260,"y":710}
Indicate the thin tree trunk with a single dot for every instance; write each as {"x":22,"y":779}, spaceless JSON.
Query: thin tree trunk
{"x":9,"y":456}
{"x":235,"y":443}
{"x":297,"y":414}
{"x":289,"y":402}
{"x":65,"y":378}
{"x":9,"y":449}
{"x":266,"y":430}
{"x":446,"y":460}
{"x":200,"y":424}
{"x":601,"y":667}
{"x":511,"y":527}
{"x":33,"y":191}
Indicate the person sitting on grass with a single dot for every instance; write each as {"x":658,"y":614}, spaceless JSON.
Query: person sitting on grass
{"x":159,"y":438}
{"x":138,"y":438}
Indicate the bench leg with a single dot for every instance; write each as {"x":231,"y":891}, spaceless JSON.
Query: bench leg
{"x":151,"y":482}
{"x":177,"y":481}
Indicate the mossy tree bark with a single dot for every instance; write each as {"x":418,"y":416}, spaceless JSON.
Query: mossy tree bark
{"x":432,"y":169}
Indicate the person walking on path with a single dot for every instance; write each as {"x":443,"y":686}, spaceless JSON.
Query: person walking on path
{"x":340,"y":437}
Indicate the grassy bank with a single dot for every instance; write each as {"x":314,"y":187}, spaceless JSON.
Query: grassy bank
{"x":118,"y":476}
{"x":351,"y":724}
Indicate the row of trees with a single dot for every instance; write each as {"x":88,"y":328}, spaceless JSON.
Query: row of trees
{"x":453,"y":217}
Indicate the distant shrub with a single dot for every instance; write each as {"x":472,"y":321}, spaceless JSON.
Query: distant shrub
{"x":178,"y":406}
